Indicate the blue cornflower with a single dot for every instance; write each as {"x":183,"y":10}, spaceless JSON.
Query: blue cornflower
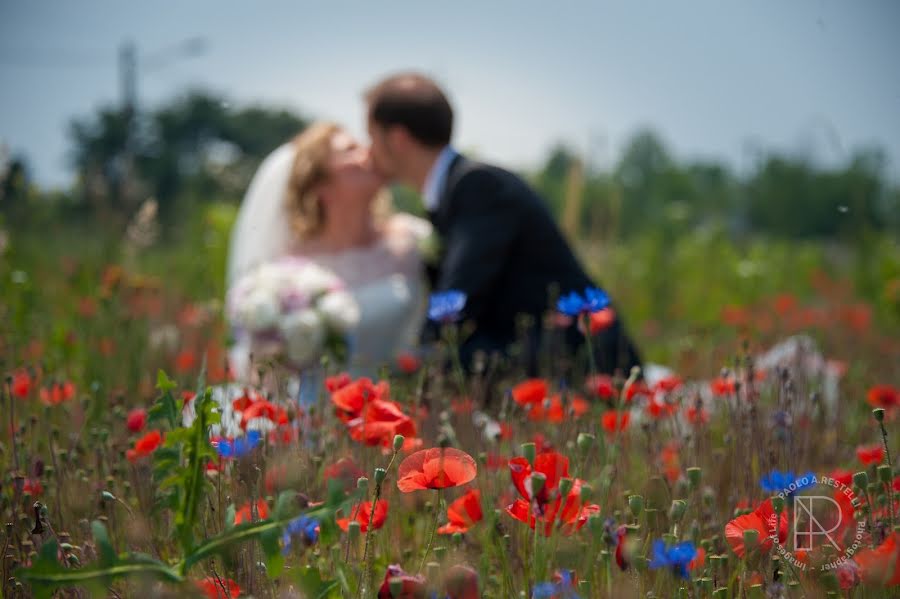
{"x":676,"y":557}
{"x":445,"y":306}
{"x":238,"y":448}
{"x":561,"y":588}
{"x":303,"y":527}
{"x":575,"y":304}
{"x":780,"y":482}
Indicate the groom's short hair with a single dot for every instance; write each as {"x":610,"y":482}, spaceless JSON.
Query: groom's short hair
{"x":415,"y":102}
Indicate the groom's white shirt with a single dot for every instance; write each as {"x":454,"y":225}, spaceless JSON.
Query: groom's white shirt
{"x":437,"y":176}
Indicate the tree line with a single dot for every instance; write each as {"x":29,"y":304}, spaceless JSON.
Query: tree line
{"x":199,"y":148}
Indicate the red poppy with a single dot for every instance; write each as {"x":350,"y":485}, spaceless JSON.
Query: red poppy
{"x":361,"y":513}
{"x":223,"y":588}
{"x":735,"y":316}
{"x":264,"y":409}
{"x":671,"y":465}
{"x":532,"y":391}
{"x":333,"y":383}
{"x":637,"y":389}
{"x":722,"y":387}
{"x":411,"y":587}
{"x":870,"y":454}
{"x":185,"y":361}
{"x":602,"y":386}
{"x":344,"y":470}
{"x":137,"y":420}
{"x":569,"y":515}
{"x":496,"y":461}
{"x":248,"y":398}
{"x":463,"y":513}
{"x":763,"y":520}
{"x":547,"y":505}
{"x":699,"y":560}
{"x":844,"y":477}
{"x":622,"y":554}
{"x":658,"y":408}
{"x":883,"y":396}
{"x":600,"y":320}
{"x":552,"y":410}
{"x":380,"y":421}
{"x":57,"y":393}
{"x":696,"y":415}
{"x":245,"y":513}
{"x":145,"y":446}
{"x":408,"y":363}
{"x":436,"y":468}
{"x":186,"y":398}
{"x":613,"y":420}
{"x":33,"y":487}
{"x":350,"y":399}
{"x":881,"y":565}
{"x":668,"y":384}
{"x":21,"y":384}
{"x":784,"y":303}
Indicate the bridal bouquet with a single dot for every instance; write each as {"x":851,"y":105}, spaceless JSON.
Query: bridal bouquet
{"x":292,"y":309}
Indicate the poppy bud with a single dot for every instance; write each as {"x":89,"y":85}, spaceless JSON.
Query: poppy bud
{"x":636,"y":505}
{"x":586,"y":492}
{"x":353,"y":530}
{"x":380,"y":474}
{"x":778,"y":504}
{"x":720,"y":593}
{"x":362,"y":483}
{"x":884,"y":473}
{"x":676,"y":512}
{"x":585,"y":441}
{"x":756,"y":592}
{"x":398,"y":442}
{"x":751,"y":538}
{"x":861,"y":479}
{"x":396,"y":586}
{"x":565,"y":485}
{"x":694,"y":475}
{"x":529,"y":451}
{"x":537,"y":482}
{"x":457,"y":538}
{"x":878,"y":413}
{"x":440,"y":552}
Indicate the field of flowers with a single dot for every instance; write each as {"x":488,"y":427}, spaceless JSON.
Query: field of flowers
{"x":697,"y":482}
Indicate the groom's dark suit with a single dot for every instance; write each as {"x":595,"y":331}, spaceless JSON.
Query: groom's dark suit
{"x":502,"y":247}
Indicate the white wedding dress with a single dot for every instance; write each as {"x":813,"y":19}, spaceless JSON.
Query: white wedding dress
{"x":386,"y":279}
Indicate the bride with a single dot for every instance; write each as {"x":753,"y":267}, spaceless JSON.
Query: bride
{"x":319,"y":197}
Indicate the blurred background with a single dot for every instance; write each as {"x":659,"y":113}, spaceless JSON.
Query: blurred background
{"x":721,"y":167}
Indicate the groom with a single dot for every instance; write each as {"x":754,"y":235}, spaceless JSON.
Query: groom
{"x":500,"y":243}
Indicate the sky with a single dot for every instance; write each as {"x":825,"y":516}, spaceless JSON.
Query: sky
{"x":717,"y":79}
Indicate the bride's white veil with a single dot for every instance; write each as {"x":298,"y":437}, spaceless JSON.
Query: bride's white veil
{"x":261,"y":231}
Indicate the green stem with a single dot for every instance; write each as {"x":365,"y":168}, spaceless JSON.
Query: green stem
{"x":890,"y":486}
{"x":437,"y":516}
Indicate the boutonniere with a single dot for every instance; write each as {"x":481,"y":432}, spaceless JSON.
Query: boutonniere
{"x":431,"y":247}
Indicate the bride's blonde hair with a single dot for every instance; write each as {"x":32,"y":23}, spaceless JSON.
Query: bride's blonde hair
{"x":312,"y":149}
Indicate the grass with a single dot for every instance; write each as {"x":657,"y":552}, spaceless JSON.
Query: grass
{"x":84,"y":306}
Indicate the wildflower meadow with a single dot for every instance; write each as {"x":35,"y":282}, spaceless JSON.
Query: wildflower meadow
{"x":760,"y":462}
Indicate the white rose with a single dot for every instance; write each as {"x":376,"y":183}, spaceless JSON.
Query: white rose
{"x":303,"y":334}
{"x":259,"y":310}
{"x":340,"y":310}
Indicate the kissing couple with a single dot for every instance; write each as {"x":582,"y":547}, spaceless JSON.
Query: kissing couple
{"x":322,"y":196}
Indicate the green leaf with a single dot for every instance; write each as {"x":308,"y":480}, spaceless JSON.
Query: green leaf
{"x":310,"y":581}
{"x":46,"y":573}
{"x":271,"y":546}
{"x":101,"y":538}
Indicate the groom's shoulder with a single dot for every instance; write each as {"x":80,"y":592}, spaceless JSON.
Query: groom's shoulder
{"x":468,"y":173}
